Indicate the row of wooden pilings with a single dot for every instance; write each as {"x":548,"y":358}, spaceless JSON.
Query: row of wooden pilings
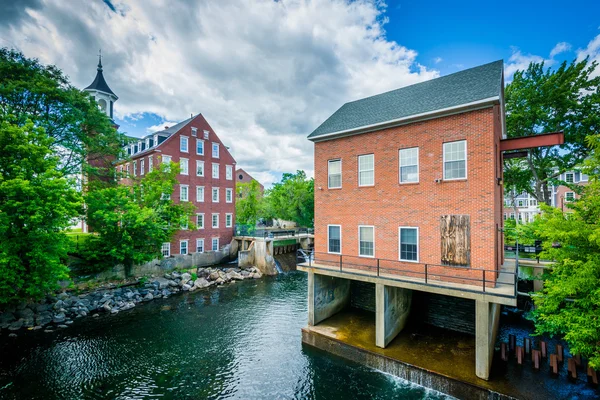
{"x":555,"y":360}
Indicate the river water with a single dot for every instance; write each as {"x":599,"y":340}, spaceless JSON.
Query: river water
{"x":240,"y":341}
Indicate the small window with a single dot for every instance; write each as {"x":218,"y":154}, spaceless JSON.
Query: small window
{"x":569,"y":196}
{"x":206,"y":135}
{"x":455,"y":160}
{"x":215,"y":171}
{"x":505,"y":216}
{"x":194,"y":131}
{"x":520,"y":203}
{"x":183,"y":247}
{"x":166,"y":160}
{"x":366,"y":241}
{"x":512,"y":215}
{"x":334,"y":239}
{"x":366,"y":170}
{"x":199,"y":245}
{"x":142,"y":167}
{"x":166,"y":249}
{"x":183,"y":144}
{"x":228,"y":172}
{"x":228,"y":195}
{"x":200,"y":194}
{"x":150,"y":164}
{"x":215,"y":220}
{"x":184,"y":193}
{"x":215,"y":244}
{"x":200,"y":221}
{"x":183,"y":166}
{"x":240,"y":177}
{"x":228,"y":220}
{"x":200,"y":147}
{"x":569,"y":177}
{"x":409,"y":244}
{"x":215,"y":195}
{"x":215,"y":150}
{"x":135,"y":168}
{"x":147,"y":143}
{"x":533,"y":202}
{"x":199,"y":168}
{"x":409,"y":165}
{"x":334,"y":172}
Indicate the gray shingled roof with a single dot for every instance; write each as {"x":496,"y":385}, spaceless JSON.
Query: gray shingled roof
{"x":453,"y":90}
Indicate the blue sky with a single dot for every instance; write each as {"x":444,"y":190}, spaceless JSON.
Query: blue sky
{"x":266,"y":73}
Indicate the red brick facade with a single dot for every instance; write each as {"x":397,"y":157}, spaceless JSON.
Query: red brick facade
{"x":225,"y":182}
{"x":389,"y":204}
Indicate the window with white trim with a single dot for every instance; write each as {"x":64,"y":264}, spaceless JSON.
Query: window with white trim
{"x":183,"y":144}
{"x":185,"y":224}
{"x":149,"y":163}
{"x":520,"y":203}
{"x":183,"y":247}
{"x":409,"y":165}
{"x":215,"y":171}
{"x":228,"y":220}
{"x":127,"y":171}
{"x":334,"y":239}
{"x":183,"y":166}
{"x":215,"y":150}
{"x":206,"y":135}
{"x":200,"y":221}
{"x":228,"y":172}
{"x":166,"y":160}
{"x":147,"y":143}
{"x":366,"y":170}
{"x":184,"y":192}
{"x":200,"y":194}
{"x":409,"y":244}
{"x":200,"y":147}
{"x":366,"y":241}
{"x":199,"y":245}
{"x":194,"y":131}
{"x":229,"y":195}
{"x":199,"y":168}
{"x":215,"y":195}
{"x":569,"y":177}
{"x":569,"y":196}
{"x":215,"y":220}
{"x":166,"y":249}
{"x":215,"y":244}
{"x":334,"y":174}
{"x":135,"y":168}
{"x":142,"y":170}
{"x":533,"y":202}
{"x":455,"y":160}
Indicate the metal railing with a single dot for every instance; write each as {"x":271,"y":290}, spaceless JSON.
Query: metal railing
{"x":430,"y":274}
{"x":250,"y":231}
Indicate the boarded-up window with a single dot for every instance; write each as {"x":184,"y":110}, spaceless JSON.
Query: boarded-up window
{"x":456,"y":239}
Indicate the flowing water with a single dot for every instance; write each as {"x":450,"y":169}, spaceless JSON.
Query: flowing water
{"x":239,"y":341}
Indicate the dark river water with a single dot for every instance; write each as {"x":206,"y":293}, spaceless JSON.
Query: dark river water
{"x":241,"y":341}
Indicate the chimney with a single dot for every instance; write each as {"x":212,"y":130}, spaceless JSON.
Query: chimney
{"x":166,"y":127}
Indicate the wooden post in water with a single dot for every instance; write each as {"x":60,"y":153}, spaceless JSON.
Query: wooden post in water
{"x":577,"y":359}
{"x":520,"y":355}
{"x":536,"y":357}
{"x":554,"y":365}
{"x":503,"y":352}
{"x":512,"y":341}
{"x":560,"y":353}
{"x":527,"y":345}
{"x":592,"y":377}
{"x":572,"y":368}
{"x":544,"y":349}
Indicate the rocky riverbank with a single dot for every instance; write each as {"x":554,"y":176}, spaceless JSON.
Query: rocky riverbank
{"x":58,"y":312}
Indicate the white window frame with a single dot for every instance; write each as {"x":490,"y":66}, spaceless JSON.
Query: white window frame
{"x":142,"y":167}
{"x":217,"y":170}
{"x":212,"y":220}
{"x":206,"y":135}
{"x":194,"y":131}
{"x":228,"y":216}
{"x":366,"y":226}
{"x":400,"y":243}
{"x":329,"y":173}
{"x":228,"y":195}
{"x":166,"y":246}
{"x":186,"y":170}
{"x":187,"y":193}
{"x":182,"y":140}
{"x":200,"y":164}
{"x":229,"y":172}
{"x":328,"y":250}
{"x":566,"y":199}
{"x":147,"y":143}
{"x":166,"y":160}
{"x":444,"y":161}
{"x":212,"y":242}
{"x":412,"y":165}
{"x":213,"y":150}
{"x":212,"y":194}
{"x":199,"y":189}
{"x":200,"y":221}
{"x":187,"y":247}
{"x":135,"y":168}
{"x":572,"y":174}
{"x":200,"y":243}
{"x":359,"y":170}
{"x":150,"y":163}
{"x":197,"y":142}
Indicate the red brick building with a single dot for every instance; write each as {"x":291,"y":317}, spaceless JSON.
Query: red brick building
{"x":244,"y":177}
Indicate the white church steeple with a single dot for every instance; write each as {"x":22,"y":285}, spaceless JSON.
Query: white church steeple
{"x":101,"y":92}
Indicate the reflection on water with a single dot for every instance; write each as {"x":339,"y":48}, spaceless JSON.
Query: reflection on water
{"x":239,"y":341}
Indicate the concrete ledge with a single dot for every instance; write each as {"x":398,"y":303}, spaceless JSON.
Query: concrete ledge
{"x":415,"y":374}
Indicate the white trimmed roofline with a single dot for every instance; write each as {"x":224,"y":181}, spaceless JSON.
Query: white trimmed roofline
{"x":442,"y":112}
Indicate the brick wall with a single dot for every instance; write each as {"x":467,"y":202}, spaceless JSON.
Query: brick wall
{"x":388,"y":204}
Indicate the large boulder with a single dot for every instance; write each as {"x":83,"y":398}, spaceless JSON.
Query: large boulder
{"x":160,"y":283}
{"x":201,"y":283}
{"x":185,"y":278}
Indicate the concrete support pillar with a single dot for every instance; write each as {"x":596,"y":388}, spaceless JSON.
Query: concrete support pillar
{"x":326,"y":296}
{"x":392,"y":307}
{"x":487,"y":316}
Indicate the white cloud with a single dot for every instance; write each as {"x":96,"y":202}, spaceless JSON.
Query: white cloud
{"x":519,"y":62}
{"x":438,"y":60}
{"x":560,"y":48}
{"x":263,"y":73}
{"x":161,"y":126}
{"x":593,"y":52}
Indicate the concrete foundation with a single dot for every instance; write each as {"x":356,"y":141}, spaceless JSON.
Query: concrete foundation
{"x":326,"y":296}
{"x":391,"y":314}
{"x":487,"y":316}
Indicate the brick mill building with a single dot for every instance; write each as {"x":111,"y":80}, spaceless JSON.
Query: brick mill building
{"x":409,"y":209}
{"x":206,"y":176}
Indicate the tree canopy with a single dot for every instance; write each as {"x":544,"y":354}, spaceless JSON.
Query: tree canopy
{"x":543,"y":100}
{"x":292,"y":199}
{"x":249,"y":203}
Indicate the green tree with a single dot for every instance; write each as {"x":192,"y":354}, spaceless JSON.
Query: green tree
{"x":541,"y":100}
{"x":569,"y":304}
{"x":36,"y":205}
{"x":132,"y":222}
{"x":31,"y":91}
{"x":292,"y":199}
{"x":249,"y":203}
